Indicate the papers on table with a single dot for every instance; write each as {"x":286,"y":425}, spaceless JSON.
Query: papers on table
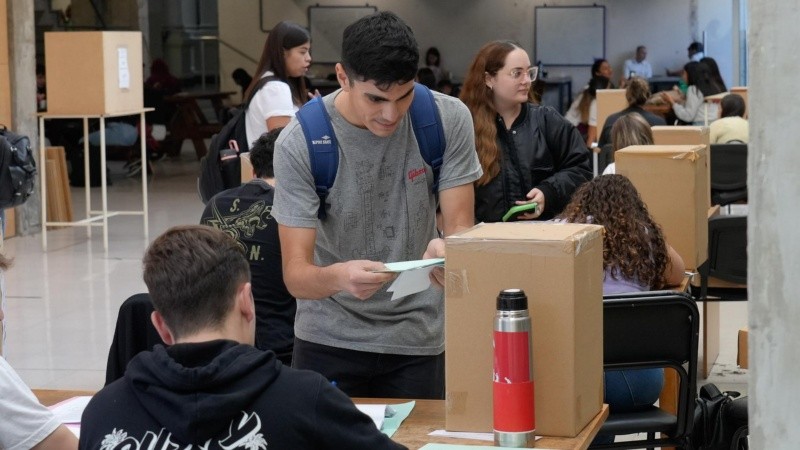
{"x":69,"y":411}
{"x":387,"y":418}
{"x":413,"y":276}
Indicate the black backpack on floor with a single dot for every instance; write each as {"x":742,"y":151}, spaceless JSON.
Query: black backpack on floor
{"x":17,"y":169}
{"x":720,"y":420}
{"x":220,"y":168}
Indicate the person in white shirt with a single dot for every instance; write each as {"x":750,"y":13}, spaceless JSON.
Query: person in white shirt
{"x":286,"y":58}
{"x":638,"y":66}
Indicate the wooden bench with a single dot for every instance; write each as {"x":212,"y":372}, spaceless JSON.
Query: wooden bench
{"x":189,"y":122}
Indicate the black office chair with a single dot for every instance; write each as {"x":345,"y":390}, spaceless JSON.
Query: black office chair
{"x":134,"y":333}
{"x":728,"y":173}
{"x":727,"y":258}
{"x":652,"y":330}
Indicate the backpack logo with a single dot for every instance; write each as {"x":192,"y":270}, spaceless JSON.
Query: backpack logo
{"x":324,"y":140}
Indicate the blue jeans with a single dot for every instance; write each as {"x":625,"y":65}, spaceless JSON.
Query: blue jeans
{"x":630,"y":391}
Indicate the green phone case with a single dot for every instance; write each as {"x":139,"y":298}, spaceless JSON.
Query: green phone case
{"x":519,"y":209}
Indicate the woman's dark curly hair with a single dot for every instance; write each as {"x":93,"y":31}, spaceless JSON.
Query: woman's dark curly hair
{"x":633,"y":245}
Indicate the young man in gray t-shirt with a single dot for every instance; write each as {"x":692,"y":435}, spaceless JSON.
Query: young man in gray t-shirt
{"x":380,"y":209}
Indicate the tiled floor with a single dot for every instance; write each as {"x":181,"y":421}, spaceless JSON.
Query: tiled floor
{"x":62,"y":305}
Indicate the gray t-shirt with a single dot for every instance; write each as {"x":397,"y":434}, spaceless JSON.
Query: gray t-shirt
{"x":382,"y":208}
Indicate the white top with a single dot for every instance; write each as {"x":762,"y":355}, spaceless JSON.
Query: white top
{"x":729,"y":129}
{"x":639,"y":69}
{"x":272,"y":100}
{"x":610,"y":169}
{"x":25,"y":422}
{"x":574,"y":116}
{"x":695,"y":108}
{"x":698,"y":56}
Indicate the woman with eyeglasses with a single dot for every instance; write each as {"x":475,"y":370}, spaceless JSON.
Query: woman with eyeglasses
{"x":529,"y":153}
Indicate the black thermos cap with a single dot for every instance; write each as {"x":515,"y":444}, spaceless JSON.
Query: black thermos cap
{"x":512,"y":300}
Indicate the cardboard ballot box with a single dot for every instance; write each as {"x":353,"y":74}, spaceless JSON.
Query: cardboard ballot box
{"x":673,"y":181}
{"x":93,"y":72}
{"x":560,"y":268}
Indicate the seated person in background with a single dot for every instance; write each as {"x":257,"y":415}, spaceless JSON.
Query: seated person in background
{"x":433,"y":61}
{"x":638,"y":66}
{"x":583,"y":111}
{"x":635,"y":258}
{"x":636,"y":93}
{"x":426,"y":78}
{"x":211,"y":388}
{"x":24,"y":422}
{"x":245,"y":213}
{"x":446,"y":87}
{"x":242,"y":79}
{"x":731,"y":126}
{"x":693,"y":111}
{"x":716,"y":76}
{"x":630,"y":129}
{"x":601,"y":68}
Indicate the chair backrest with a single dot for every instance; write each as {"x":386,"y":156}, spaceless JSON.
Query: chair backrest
{"x":727,"y":248}
{"x":134,"y":333}
{"x":651,"y":330}
{"x":728,"y":167}
{"x":609,"y":101}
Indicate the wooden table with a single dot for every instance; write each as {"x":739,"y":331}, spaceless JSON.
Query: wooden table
{"x":189,"y":122}
{"x":427,"y":416}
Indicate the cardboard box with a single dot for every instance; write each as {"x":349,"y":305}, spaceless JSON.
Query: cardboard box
{"x":673,"y":181}
{"x":93,"y":72}
{"x":560,"y":268}
{"x":741,"y":356}
{"x":609,"y":101}
{"x":11,"y":223}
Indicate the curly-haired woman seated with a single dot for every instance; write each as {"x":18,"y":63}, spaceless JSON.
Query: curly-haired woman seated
{"x":635,"y":258}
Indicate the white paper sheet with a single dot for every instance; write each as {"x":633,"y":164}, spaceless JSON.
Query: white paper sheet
{"x":375,"y":412}
{"x":70,"y":410}
{"x":410,"y":282}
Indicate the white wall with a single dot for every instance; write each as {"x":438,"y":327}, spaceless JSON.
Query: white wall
{"x":460,"y":27}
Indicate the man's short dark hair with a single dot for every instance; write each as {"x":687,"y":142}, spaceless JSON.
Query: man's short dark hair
{"x":262,"y":151}
{"x":695,"y":47}
{"x":381,"y":48}
{"x":732,"y":105}
{"x":192,"y":273}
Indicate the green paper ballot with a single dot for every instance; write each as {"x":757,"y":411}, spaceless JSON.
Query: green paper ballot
{"x":519,"y":209}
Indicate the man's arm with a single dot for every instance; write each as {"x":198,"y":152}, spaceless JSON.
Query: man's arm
{"x":458,"y":208}
{"x":306,"y":280}
{"x":60,"y":439}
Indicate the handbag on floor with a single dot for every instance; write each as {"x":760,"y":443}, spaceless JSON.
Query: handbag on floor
{"x":720,"y":420}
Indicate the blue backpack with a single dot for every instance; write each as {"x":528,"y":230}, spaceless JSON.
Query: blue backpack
{"x":323,"y":148}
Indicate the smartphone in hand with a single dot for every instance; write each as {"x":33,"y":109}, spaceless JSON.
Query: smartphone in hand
{"x":518,"y":210}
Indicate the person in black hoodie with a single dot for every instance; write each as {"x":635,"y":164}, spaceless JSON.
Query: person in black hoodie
{"x":211,"y":388}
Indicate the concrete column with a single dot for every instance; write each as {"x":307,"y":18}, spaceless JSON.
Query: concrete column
{"x":774,"y":241}
{"x":22,"y":65}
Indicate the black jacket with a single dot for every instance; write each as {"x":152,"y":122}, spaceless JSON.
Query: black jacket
{"x":221,"y":394}
{"x":652,"y":119}
{"x":541,"y":150}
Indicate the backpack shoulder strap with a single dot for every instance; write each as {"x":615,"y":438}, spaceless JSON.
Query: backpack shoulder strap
{"x":428,"y":130}
{"x":323,"y":149}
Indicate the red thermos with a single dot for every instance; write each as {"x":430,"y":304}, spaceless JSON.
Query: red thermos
{"x":514,"y":418}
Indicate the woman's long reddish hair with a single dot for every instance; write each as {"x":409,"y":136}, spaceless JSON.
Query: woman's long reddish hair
{"x":633,"y":246}
{"x":479,"y":99}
